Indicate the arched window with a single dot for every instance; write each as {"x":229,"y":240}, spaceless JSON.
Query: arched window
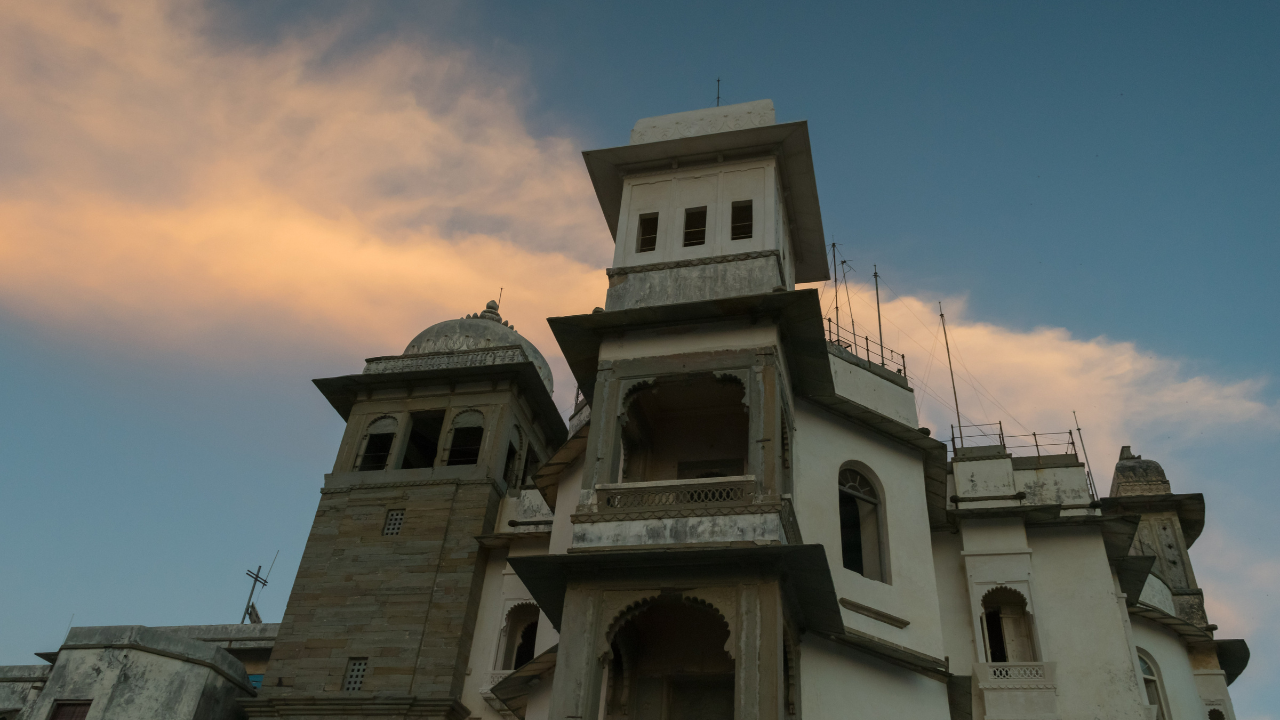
{"x":1007,"y":626}
{"x":468,"y":433}
{"x":520,"y":636}
{"x":377,"y":444}
{"x":860,"y":525}
{"x":1151,"y":681}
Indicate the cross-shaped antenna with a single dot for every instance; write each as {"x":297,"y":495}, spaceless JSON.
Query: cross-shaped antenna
{"x":256,"y":576}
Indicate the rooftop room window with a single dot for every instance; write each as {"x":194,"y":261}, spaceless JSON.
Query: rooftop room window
{"x":685,"y":427}
{"x":424,"y":439}
{"x":740,"y":221}
{"x":353,"y":680}
{"x":695,"y":226}
{"x":377,"y":444}
{"x":1151,"y":682}
{"x":1007,"y":626}
{"x":647,"y":235}
{"x":468,"y":433}
{"x":860,"y":526}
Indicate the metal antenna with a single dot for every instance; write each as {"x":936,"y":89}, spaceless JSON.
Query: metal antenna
{"x":835,"y":282}
{"x":1087,"y":467}
{"x":257,"y":578}
{"x":717,"y":92}
{"x":954,"y":396}
{"x":499,"y":307}
{"x":876,"y":274}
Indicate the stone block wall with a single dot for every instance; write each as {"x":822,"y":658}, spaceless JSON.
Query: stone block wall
{"x":407,"y":602}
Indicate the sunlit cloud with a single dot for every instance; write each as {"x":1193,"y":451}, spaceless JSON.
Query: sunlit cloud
{"x":233,"y":201}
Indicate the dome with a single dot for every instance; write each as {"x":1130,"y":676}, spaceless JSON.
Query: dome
{"x":473,"y":332}
{"x":1135,"y":476}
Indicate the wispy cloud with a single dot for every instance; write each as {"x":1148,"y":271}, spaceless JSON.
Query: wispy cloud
{"x":166,"y":191}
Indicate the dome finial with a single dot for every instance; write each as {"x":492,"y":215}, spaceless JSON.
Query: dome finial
{"x":491,"y":311}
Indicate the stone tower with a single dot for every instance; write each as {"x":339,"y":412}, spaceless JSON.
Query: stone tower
{"x":382,"y":613}
{"x":687,"y":585}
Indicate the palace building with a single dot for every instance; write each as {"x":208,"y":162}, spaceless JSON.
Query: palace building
{"x":741,"y":519}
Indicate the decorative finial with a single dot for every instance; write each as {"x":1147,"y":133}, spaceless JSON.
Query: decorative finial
{"x":491,"y":312}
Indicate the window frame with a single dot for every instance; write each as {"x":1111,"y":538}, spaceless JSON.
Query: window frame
{"x":1162,"y":698}
{"x":641,"y":236}
{"x":881,"y":516}
{"x":735,"y":227}
{"x":700,"y":232}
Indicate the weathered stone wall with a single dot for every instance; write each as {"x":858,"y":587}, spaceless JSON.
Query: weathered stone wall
{"x":407,"y":602}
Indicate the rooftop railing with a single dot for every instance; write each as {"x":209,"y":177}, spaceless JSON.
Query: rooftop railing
{"x":1033,"y":444}
{"x":865,"y":348}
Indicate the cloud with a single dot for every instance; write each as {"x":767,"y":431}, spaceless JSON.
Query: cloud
{"x":1032,"y":380}
{"x":230,"y":201}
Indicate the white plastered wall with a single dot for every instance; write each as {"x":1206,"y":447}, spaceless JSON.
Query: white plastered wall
{"x":873,"y":392}
{"x":823,"y":443}
{"x":839,"y":682}
{"x":1080,"y":624}
{"x":953,"y":602}
{"x":1176,"y":674}
{"x":717,"y":187}
{"x":682,"y":339}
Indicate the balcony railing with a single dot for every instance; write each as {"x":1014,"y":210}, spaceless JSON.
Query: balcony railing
{"x":865,"y":348}
{"x":677,"y":494}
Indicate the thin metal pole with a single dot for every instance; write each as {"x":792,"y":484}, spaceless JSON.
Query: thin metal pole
{"x":954,"y":396}
{"x":875,"y":273}
{"x":1088,"y":468}
{"x":256,"y":579}
{"x":835,"y":282}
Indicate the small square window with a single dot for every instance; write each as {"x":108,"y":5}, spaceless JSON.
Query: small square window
{"x":395,"y":519}
{"x":740,"y":222}
{"x":647,"y":237}
{"x":354,"y":678}
{"x":695,"y":226}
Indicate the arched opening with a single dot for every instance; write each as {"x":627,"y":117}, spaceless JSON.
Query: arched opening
{"x":685,"y":427}
{"x":1152,"y":684}
{"x":1007,"y":626}
{"x":520,"y":636}
{"x":468,"y":434}
{"x":860,"y":525}
{"x":376,"y":449}
{"x":669,"y":661}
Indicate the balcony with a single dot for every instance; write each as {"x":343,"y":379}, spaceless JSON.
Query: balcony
{"x":1017,"y":691}
{"x":705,"y":511}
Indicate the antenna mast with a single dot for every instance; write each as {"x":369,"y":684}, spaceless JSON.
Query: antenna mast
{"x":876,"y":274}
{"x":499,"y":306}
{"x":1087,"y":468}
{"x":954,"y":396}
{"x":717,"y":92}
{"x":257,"y":578}
{"x":835,"y":282}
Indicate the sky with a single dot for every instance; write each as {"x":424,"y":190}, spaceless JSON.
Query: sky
{"x":204,"y":205}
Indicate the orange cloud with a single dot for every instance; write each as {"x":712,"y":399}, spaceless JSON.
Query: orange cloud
{"x":168,"y":192}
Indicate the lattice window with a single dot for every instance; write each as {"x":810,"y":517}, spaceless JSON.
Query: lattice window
{"x":684,"y":496}
{"x":395,"y":519}
{"x":354,"y":679}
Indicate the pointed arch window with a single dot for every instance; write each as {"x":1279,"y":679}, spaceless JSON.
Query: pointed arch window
{"x":1007,"y":626}
{"x":520,"y":636}
{"x":1151,"y":683}
{"x":468,"y":434}
{"x":860,"y":525}
{"x":376,"y":449}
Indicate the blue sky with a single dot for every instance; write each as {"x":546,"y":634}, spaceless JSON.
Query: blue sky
{"x":244,"y":196}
